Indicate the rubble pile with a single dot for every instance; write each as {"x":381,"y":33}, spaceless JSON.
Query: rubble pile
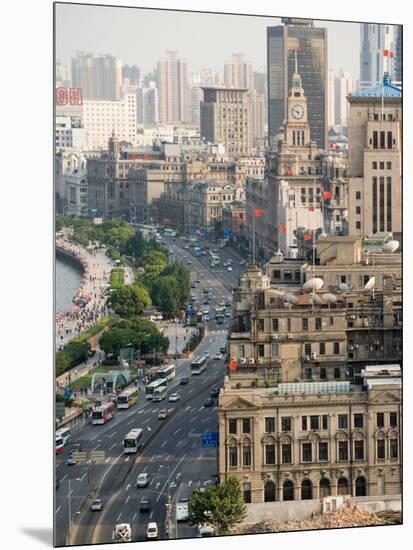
{"x":347,"y":516}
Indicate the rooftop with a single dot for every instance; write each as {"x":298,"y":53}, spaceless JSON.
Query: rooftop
{"x":384,"y":90}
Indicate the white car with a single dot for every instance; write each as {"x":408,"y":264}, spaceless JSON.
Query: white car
{"x":182,"y":511}
{"x":174,"y":397}
{"x":142,"y":480}
{"x":152,"y":530}
{"x":97,"y":505}
{"x":218,"y":356}
{"x":229,"y":268}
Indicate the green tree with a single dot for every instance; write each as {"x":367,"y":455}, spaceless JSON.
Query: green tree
{"x":129,"y":300}
{"x":221,"y":506}
{"x":135,"y":246}
{"x":165,"y":294}
{"x":116,"y":338}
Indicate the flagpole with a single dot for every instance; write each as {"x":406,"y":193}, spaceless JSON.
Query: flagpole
{"x":253,"y":237}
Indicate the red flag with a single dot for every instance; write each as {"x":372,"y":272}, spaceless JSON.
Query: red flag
{"x":290,"y":172}
{"x":258,"y":213}
{"x":307,"y":237}
{"x":327,"y":195}
{"x":232,"y":365}
{"x":385,"y":53}
{"x":298,"y":49}
{"x":331,"y":145}
{"x":391,"y":54}
{"x":282,"y":228}
{"x":311,"y":208}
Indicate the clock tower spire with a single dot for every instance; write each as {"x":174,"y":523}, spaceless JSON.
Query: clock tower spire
{"x":297,"y":127}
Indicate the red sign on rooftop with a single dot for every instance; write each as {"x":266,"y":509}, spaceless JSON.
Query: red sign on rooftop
{"x":69,"y":96}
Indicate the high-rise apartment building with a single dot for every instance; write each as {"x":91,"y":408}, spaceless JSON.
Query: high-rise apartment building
{"x":374,"y":160}
{"x":238,"y":73}
{"x":311,"y":42}
{"x":174,"y":101}
{"x":226,"y":119}
{"x":99,"y":77}
{"x":147,"y":104}
{"x":375,"y":38}
{"x":132,"y":73}
{"x":339,"y":87}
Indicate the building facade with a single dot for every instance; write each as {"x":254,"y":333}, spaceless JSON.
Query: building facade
{"x":374,"y":160}
{"x":99,"y":77}
{"x":374,"y":39}
{"x":312,"y":440}
{"x":226,"y":119}
{"x":311,"y":42}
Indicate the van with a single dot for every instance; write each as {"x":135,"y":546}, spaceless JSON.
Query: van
{"x":152,"y":530}
{"x":205,"y":531}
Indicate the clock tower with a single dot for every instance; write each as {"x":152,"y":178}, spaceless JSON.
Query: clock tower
{"x":297,"y":127}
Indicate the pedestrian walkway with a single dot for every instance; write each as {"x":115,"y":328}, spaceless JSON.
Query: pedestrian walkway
{"x":89,"y":302}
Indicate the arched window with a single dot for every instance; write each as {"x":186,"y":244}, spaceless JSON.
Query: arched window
{"x":288,"y":490}
{"x":324,"y":488}
{"x":342,"y":486}
{"x":306,"y":490}
{"x":361,"y":490}
{"x":269,"y":491}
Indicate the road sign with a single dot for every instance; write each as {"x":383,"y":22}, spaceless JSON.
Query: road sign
{"x":227,"y":233}
{"x":97,"y":455}
{"x":79,"y":455}
{"x":209,"y":440}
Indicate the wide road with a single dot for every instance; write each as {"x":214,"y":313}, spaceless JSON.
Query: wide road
{"x":172,"y":455}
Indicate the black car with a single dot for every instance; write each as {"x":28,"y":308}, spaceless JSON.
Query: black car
{"x":184,"y":381}
{"x":145,"y":505}
{"x":209,"y":402}
{"x":223,"y":349}
{"x":214,"y":392}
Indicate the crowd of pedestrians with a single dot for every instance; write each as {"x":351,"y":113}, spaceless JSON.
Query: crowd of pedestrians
{"x":89,"y":302}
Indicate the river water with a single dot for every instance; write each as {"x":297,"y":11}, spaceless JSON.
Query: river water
{"x":68,"y":278}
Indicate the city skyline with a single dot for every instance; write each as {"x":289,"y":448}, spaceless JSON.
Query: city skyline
{"x":197,"y":30}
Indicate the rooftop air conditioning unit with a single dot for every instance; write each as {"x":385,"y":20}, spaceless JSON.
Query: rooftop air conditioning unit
{"x":242,"y":360}
{"x":251,"y":360}
{"x":313,"y":355}
{"x":289,"y":336}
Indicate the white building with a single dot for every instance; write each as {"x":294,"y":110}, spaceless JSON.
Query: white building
{"x":339,"y":87}
{"x":69,"y":133}
{"x":169,"y":133}
{"x":75,"y":187}
{"x":101,"y":117}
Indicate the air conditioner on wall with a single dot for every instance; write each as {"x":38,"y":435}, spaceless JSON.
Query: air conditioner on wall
{"x":242,"y":360}
{"x":307,"y":357}
{"x":313,"y":355}
{"x":251,"y":360}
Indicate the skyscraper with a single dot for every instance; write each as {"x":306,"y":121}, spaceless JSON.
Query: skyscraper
{"x":99,"y":77}
{"x":373,"y":64}
{"x":174,"y":104}
{"x":311,"y":43}
{"x":339,"y":87}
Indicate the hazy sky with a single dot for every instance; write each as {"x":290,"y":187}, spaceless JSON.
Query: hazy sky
{"x":141,"y":37}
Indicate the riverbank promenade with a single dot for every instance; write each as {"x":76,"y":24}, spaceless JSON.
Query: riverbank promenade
{"x":89,"y":302}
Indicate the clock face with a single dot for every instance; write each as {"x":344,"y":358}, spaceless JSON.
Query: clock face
{"x":297,"y":111}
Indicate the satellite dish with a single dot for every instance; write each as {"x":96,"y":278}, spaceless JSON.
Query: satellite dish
{"x":343,"y":287}
{"x":370,"y":283}
{"x":391,"y":246}
{"x":315,"y":299}
{"x":290,"y":298}
{"x":329,"y":298}
{"x":313,"y":284}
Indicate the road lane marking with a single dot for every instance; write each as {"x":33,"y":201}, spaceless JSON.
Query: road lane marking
{"x":193,"y":419}
{"x":127,"y":499}
{"x":164,"y":443}
{"x":81,"y":479}
{"x":114,"y":445}
{"x":179,"y":443}
{"x":94,"y":448}
{"x":134,"y":516}
{"x":151,"y":515}
{"x":64,"y":477}
{"x":131,"y":422}
{"x":111,"y":435}
{"x":120,"y":513}
{"x":189,"y":482}
{"x":157,"y":485}
{"x":128,"y":487}
{"x":200,"y":408}
{"x":170,"y":475}
{"x":187,"y":409}
{"x":107,"y":460}
{"x":144,"y":470}
{"x":57,"y":511}
{"x":145,"y":421}
{"x":177,"y":431}
{"x":167,"y":458}
{"x":149,"y":429}
{"x":191,"y":390}
{"x":127,"y":458}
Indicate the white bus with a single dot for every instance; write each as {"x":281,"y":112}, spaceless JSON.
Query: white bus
{"x":159,"y":394}
{"x":170,"y":232}
{"x":102,"y":414}
{"x":198,"y":365}
{"x":63,"y":436}
{"x":133,"y":441}
{"x":150,"y":388}
{"x":127,"y":398}
{"x":167,"y":372}
{"x":213,"y":259}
